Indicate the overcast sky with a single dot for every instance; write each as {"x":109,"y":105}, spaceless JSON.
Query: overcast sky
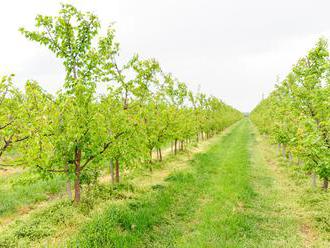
{"x":233,"y":49}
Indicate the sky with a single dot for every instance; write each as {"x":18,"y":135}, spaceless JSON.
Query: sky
{"x":234,"y":50}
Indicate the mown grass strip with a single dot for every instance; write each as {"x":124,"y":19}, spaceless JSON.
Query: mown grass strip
{"x":156,"y":218}
{"x":228,"y":198}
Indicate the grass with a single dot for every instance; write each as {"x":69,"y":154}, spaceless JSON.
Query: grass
{"x":52,"y":223}
{"x":42,"y":225}
{"x":160,"y":218}
{"x":229,"y":197}
{"x":233,"y":195}
{"x":311,"y":205}
{"x":22,"y":189}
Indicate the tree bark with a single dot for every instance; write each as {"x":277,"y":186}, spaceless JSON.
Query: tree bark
{"x":279,"y":149}
{"x":298,"y":162}
{"x":325,"y":183}
{"x":150,"y":156}
{"x":157,"y":151}
{"x":290,"y":158}
{"x":284,"y":151}
{"x":175,"y":146}
{"x":112,"y":172}
{"x":160,"y":155}
{"x":77,"y":176}
{"x":117,"y":171}
{"x":313,"y":180}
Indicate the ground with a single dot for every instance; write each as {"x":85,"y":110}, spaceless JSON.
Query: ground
{"x":231,"y":191}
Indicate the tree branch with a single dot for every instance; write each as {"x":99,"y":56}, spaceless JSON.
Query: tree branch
{"x":48,"y":170}
{"x":105,"y":147}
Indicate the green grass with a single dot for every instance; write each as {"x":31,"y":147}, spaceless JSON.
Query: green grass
{"x":228,"y":196}
{"x":23,"y":189}
{"x":55,"y":220}
{"x":311,"y":204}
{"x":40,"y":226}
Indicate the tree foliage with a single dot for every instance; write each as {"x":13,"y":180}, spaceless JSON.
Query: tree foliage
{"x":74,"y":131}
{"x":297,"y":114}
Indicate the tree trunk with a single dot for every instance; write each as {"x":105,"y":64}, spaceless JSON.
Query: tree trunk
{"x":150,"y":156}
{"x":160,"y":155}
{"x":284,"y":151}
{"x":279,"y":149}
{"x":117,"y":171}
{"x":112,"y":172}
{"x":197,"y":137}
{"x":290,"y":158}
{"x":298,"y":162}
{"x":175,"y":146}
{"x":313,"y":180}
{"x":157,"y":151}
{"x":77,"y":176}
{"x":325,"y":183}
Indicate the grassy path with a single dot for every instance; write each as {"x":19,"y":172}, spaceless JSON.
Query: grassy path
{"x":51,"y":223}
{"x":228,"y":194}
{"x":228,"y":197}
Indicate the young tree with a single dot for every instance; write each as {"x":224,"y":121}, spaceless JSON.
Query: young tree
{"x":12,"y":115}
{"x":297,"y":115}
{"x":79,"y":135}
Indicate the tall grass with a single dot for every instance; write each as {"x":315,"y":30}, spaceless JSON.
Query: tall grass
{"x":23,"y":189}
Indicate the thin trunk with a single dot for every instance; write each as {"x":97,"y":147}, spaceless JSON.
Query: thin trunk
{"x":284,"y":151}
{"x":298,"y":162}
{"x":77,"y":176}
{"x":325,"y":183}
{"x":150,"y":161}
{"x":197,"y":137}
{"x":279,"y":149}
{"x":290,"y":158}
{"x":160,"y":155}
{"x":175,"y":146}
{"x":313,"y":180}
{"x":117,"y":171}
{"x":126,"y":99}
{"x":157,"y":151}
{"x":150,"y":156}
{"x":112,"y":174}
